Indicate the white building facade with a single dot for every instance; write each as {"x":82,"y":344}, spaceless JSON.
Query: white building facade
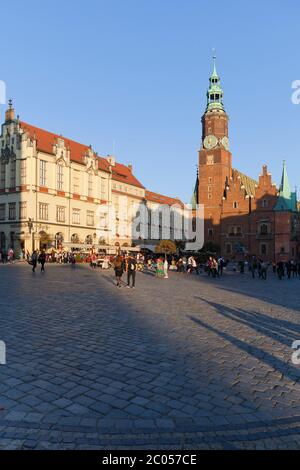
{"x":57,"y":193}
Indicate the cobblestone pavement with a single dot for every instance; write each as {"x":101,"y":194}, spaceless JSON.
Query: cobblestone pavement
{"x":184,"y":363}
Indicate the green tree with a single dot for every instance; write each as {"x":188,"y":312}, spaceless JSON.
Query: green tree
{"x":166,"y":246}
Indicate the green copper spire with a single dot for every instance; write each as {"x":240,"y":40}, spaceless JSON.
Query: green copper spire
{"x":285,"y":185}
{"x":195,"y":195}
{"x":286,"y":199}
{"x":214,"y":74}
{"x":215,"y":92}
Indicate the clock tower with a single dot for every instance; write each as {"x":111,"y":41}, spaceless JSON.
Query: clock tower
{"x":214,"y":158}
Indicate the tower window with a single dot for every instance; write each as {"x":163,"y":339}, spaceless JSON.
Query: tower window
{"x":264,"y":229}
{"x":235,"y":205}
{"x":263,"y":249}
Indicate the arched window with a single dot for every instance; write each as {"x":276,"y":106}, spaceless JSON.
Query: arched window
{"x":2,"y":240}
{"x":74,"y":238}
{"x":44,"y":240}
{"x":89,"y":240}
{"x":264,"y":229}
{"x":101,"y":241}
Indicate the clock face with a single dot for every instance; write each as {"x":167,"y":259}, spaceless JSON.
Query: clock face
{"x":225,"y":143}
{"x":210,"y":141}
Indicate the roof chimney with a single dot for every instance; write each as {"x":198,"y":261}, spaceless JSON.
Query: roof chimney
{"x":130,"y":167}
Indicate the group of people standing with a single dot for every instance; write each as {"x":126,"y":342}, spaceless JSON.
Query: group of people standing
{"x":7,"y":257}
{"x":289,"y":269}
{"x":281,"y":269}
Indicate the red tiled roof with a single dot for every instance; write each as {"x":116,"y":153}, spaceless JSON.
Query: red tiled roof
{"x":123,"y":174}
{"x":161,"y":199}
{"x":46,"y":140}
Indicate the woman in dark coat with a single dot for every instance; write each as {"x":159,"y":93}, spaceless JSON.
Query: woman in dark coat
{"x":119,"y":269}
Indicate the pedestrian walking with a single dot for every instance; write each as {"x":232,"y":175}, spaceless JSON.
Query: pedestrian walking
{"x":119,"y":269}
{"x":220,"y":266}
{"x":33,"y":261}
{"x":10,"y":255}
{"x":94,"y":260}
{"x":42,"y":260}
{"x":264,"y":269}
{"x":131,"y":271}
{"x":166,"y":267}
{"x":159,"y":267}
{"x":280,"y":270}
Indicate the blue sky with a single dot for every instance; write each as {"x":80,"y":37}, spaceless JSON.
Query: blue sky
{"x":136,"y":72}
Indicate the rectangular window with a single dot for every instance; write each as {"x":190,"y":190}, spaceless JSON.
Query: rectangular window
{"x":264,"y":229}
{"x":90,"y":184}
{"x":22,"y":210}
{"x":103,"y":189}
{"x":76,"y":216}
{"x":12,"y":174}
{"x":2,"y":212}
{"x":12,"y":211}
{"x":235,"y":231}
{"x":43,"y":211}
{"x":42,"y":173}
{"x":23,"y":172}
{"x":2,"y":175}
{"x":103,"y":221}
{"x":90,"y":218}
{"x":210,"y":232}
{"x":76,"y":182}
{"x":60,"y":177}
{"x":60,"y":214}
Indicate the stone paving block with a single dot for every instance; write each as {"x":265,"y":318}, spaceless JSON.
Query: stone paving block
{"x":214,"y":359}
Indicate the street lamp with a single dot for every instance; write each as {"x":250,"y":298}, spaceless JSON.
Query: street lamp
{"x":30,"y":224}
{"x":30,"y":227}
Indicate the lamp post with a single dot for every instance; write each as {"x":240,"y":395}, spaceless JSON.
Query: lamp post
{"x":30,"y":227}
